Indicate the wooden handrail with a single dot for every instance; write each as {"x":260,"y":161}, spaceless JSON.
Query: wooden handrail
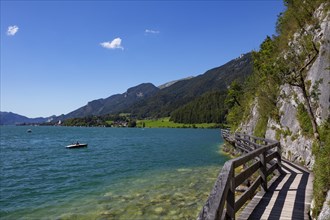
{"x":224,"y":188}
{"x":238,"y":134}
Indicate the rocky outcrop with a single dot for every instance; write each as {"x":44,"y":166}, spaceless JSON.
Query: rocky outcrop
{"x":303,"y":103}
{"x":249,"y":126}
{"x":297,"y":146}
{"x":325,"y":212}
{"x":319,"y":73}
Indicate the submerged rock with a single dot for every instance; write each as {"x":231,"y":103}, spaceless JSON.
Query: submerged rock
{"x":184,"y":170}
{"x":159,"y":210}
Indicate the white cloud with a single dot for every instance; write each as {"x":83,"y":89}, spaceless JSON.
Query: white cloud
{"x":114,"y":44}
{"x":12,"y":30}
{"x":148,"y":31}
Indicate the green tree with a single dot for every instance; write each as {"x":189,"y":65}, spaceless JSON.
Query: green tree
{"x":132,"y":124}
{"x":293,"y":66}
{"x":233,"y":93}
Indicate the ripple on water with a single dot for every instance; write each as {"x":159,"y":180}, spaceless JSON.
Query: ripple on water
{"x":173,"y":194}
{"x":168,"y":195}
{"x":164,"y":173}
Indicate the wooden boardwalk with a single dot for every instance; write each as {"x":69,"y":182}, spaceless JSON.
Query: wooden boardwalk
{"x":289,"y":196}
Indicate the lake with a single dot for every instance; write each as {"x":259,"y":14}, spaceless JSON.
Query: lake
{"x":124,"y":173}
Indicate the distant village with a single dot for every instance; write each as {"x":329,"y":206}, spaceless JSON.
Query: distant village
{"x":92,"y":121}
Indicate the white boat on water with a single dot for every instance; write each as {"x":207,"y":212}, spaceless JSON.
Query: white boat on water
{"x":76,"y":145}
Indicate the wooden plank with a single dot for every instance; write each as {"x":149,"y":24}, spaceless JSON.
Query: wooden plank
{"x":244,"y":175}
{"x":271,"y":199}
{"x":257,"y":138}
{"x":252,"y":205}
{"x":247,"y":194}
{"x":271,"y":156}
{"x":263,"y":171}
{"x":279,"y":158}
{"x":224,"y":188}
{"x":230,"y":205}
{"x":247,"y":157}
{"x":214,"y":205}
{"x":243,"y":147}
{"x":247,"y":142}
{"x":272,"y":168}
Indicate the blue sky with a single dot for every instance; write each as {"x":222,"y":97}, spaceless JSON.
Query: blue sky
{"x":58,"y":55}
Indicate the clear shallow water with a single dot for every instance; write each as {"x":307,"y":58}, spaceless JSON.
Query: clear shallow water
{"x":123,"y":174}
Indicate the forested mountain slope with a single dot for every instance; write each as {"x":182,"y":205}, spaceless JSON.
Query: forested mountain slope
{"x":146,"y":100}
{"x":177,"y":95}
{"x":115,"y":103}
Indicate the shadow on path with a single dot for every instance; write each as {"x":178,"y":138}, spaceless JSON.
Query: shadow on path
{"x":297,"y":208}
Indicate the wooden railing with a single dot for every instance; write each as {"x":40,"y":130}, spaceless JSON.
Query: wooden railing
{"x":259,"y":153}
{"x":225,"y":133}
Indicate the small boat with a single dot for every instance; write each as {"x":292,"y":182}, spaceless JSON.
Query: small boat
{"x":76,"y":145}
{"x":29,"y":131}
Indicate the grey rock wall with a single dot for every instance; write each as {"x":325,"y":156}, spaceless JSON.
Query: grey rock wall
{"x":325,"y":212}
{"x":295,"y":146}
{"x":249,"y":126}
{"x":320,"y":69}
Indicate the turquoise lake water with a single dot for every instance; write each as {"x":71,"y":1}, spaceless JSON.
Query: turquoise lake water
{"x":123,"y":174}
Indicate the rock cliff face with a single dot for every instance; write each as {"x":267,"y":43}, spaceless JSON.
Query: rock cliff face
{"x":249,"y":126}
{"x":325,"y":213}
{"x":296,"y":146}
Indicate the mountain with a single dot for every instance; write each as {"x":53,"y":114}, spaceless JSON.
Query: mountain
{"x":9,"y":118}
{"x":165,"y":85}
{"x":182,"y":92}
{"x":147,"y":100}
{"x":207,"y":108}
{"x":115,"y":103}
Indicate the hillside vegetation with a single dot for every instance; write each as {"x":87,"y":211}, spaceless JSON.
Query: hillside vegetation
{"x":115,"y":103}
{"x":283,"y":73}
{"x":176,"y":96}
{"x":148,"y":101}
{"x":208,"y":108}
{"x":166,"y":123}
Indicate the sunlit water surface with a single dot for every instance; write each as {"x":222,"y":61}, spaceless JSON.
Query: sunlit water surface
{"x":123,"y":174}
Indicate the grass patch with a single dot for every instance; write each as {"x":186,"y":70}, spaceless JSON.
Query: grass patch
{"x":166,"y":123}
{"x":304,"y":120}
{"x":109,"y":122}
{"x":285,"y":132}
{"x":294,"y":137}
{"x":261,"y":127}
{"x":321,"y":168}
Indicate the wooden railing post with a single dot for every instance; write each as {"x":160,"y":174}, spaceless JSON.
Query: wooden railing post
{"x":263,"y":171}
{"x":223,"y":192}
{"x":279,"y":158}
{"x":230,"y":213}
